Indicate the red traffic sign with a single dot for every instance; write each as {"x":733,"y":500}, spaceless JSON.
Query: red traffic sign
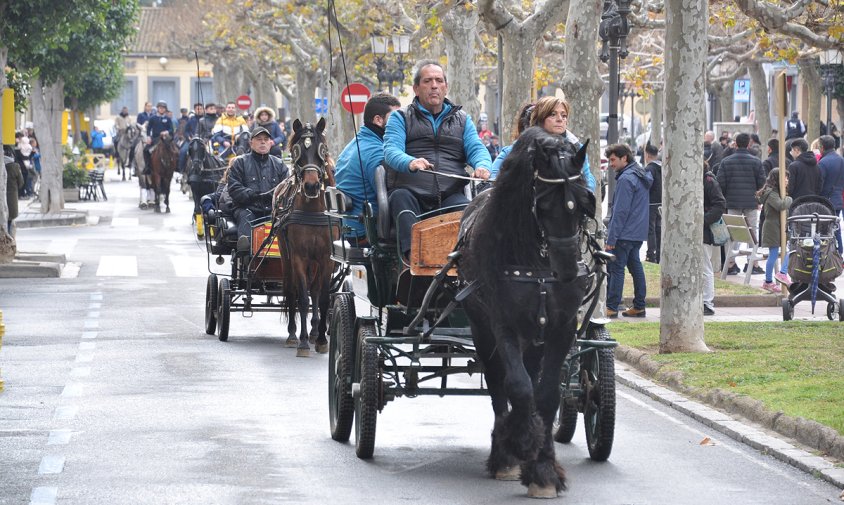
{"x":354,"y":97}
{"x":243,"y":102}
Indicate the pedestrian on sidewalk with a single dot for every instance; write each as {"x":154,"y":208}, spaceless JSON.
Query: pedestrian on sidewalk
{"x":831,"y":166}
{"x":714,"y":206}
{"x":14,"y":183}
{"x":653,"y":165}
{"x":772,"y":205}
{"x":627,"y":229}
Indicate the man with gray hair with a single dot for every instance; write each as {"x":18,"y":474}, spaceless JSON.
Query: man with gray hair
{"x":431,"y":134}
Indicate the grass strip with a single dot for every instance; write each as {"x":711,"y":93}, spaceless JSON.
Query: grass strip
{"x":796,"y":366}
{"x":652,"y":281}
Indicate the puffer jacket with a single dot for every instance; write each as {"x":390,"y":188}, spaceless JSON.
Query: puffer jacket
{"x":804,"y":176}
{"x":251,"y":180}
{"x":772,"y":204}
{"x":629,"y":220}
{"x":740,"y":176}
{"x":831,"y":166}
{"x":714,"y":205}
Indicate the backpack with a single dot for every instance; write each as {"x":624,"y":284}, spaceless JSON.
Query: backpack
{"x":793,"y":129}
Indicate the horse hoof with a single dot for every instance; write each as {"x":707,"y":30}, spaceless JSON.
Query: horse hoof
{"x":142,"y":206}
{"x":535,"y":491}
{"x":322,"y":348}
{"x":509,"y":473}
{"x":311,"y":339}
{"x":292,"y":342}
{"x":157,"y":210}
{"x":168,"y":210}
{"x":303,"y":353}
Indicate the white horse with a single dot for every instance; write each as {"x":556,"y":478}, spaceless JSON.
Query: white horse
{"x":129,"y":138}
{"x":147,"y":195}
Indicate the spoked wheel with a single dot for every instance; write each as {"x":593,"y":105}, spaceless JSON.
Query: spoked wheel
{"x":566,"y":422}
{"x":787,"y":310}
{"x":368,"y":394}
{"x":211,"y":305}
{"x":597,"y":378}
{"x":832,"y":311}
{"x":341,"y":359}
{"x":224,"y":305}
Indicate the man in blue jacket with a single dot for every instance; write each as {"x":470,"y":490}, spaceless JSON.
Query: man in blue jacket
{"x":831,"y":166}
{"x":628,"y":228}
{"x":430,"y":134}
{"x":355,"y":172}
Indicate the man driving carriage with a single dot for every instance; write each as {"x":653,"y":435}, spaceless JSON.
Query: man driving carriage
{"x":228,"y":127}
{"x":431,"y":129}
{"x":156,"y":126}
{"x":251,"y":180}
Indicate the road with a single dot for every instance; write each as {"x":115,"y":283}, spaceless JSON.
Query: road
{"x":115,"y":395}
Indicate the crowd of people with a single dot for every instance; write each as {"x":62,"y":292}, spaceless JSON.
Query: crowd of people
{"x":23,"y":170}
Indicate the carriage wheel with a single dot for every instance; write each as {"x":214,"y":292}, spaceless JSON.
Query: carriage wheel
{"x":841,"y":309}
{"x":341,"y":405}
{"x":598,"y":383}
{"x":787,"y":310}
{"x":224,"y":306}
{"x":566,"y":422}
{"x":366,"y":401}
{"x":211,"y":305}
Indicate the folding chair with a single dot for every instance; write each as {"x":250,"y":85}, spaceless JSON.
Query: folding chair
{"x":740,"y":233}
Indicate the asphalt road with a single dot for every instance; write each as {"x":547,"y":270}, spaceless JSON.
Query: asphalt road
{"x":115,"y":395}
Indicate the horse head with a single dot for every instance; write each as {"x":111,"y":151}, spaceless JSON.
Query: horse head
{"x":196,"y":153}
{"x":241,"y":144}
{"x":311,"y":163}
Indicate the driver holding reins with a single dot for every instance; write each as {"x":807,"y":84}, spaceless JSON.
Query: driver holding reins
{"x":228,"y":127}
{"x":252,"y":178}
{"x":434,"y":134}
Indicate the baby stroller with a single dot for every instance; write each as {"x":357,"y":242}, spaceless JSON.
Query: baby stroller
{"x":814,"y":262}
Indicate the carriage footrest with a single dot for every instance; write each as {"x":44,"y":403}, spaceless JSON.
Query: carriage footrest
{"x":350,"y":255}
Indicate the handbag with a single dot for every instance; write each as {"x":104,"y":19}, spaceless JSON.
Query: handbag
{"x":720,"y":233}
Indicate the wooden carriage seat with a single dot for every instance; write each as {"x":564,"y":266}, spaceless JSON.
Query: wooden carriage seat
{"x":431,"y":241}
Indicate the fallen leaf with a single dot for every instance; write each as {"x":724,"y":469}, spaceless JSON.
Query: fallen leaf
{"x":707,"y":441}
{"x":732,"y":384}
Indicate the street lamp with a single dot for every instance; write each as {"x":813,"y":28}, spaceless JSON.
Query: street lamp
{"x":389,"y":72}
{"x":629,"y":92}
{"x":613,"y":31}
{"x":830,"y":63}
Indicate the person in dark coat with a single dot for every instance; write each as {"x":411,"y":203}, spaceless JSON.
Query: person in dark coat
{"x":740,"y":176}
{"x":831,"y":166}
{"x":714,"y":206}
{"x":14,"y":184}
{"x":773,"y":159}
{"x":653,"y":165}
{"x":804,"y":176}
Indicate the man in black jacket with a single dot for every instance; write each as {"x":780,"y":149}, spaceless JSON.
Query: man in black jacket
{"x":773,"y":159}
{"x":804,"y":176}
{"x":740,"y":176}
{"x":714,"y":205}
{"x":252,"y":178}
{"x":654,"y":166}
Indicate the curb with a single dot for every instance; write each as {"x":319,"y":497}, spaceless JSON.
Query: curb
{"x":810,"y":433}
{"x":760,"y":300}
{"x":64,"y":218}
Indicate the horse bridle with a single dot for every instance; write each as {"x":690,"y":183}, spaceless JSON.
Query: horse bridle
{"x":307,"y":138}
{"x":570,"y":241}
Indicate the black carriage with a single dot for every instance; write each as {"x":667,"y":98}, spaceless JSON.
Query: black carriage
{"x":254,"y":281}
{"x":417,"y":337}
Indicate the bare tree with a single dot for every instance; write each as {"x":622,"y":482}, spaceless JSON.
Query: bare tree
{"x":812,"y":78}
{"x":460,"y":29}
{"x":681,"y":317}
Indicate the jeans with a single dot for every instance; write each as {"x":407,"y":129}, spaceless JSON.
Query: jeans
{"x":243,"y":218}
{"x":402,"y":200}
{"x":773,"y":256}
{"x":708,"y":276}
{"x":626,"y":255}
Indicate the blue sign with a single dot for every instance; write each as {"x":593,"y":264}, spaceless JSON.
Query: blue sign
{"x":321,"y":105}
{"x":741,"y":90}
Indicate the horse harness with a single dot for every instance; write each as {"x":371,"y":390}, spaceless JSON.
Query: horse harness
{"x":307,"y":138}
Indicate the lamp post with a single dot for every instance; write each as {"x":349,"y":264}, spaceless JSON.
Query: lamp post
{"x":387,"y":71}
{"x":613,"y":31}
{"x":629,"y":92}
{"x":830,"y":63}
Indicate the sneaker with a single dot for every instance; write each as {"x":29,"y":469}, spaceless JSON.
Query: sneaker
{"x":633,"y":312}
{"x":708,"y":311}
{"x":243,"y":244}
{"x":771,"y":287}
{"x":784,"y":278}
{"x":612,"y":314}
{"x":758,"y":271}
{"x":733,"y":270}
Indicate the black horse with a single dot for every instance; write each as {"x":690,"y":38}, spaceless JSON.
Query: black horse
{"x":520,"y":243}
{"x":204,"y":171}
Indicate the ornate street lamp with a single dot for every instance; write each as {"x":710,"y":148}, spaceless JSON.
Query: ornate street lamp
{"x":830,"y":65}
{"x":390,"y":72}
{"x":613,"y":31}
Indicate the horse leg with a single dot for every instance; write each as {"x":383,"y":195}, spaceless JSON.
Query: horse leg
{"x":323,"y":300}
{"x":292,"y":340}
{"x":544,"y":476}
{"x":312,"y":335}
{"x":167,"y":198}
{"x":304,"y":349}
{"x":157,"y":204}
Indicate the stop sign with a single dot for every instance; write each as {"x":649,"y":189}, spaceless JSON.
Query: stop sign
{"x":243,"y":102}
{"x":354,"y":97}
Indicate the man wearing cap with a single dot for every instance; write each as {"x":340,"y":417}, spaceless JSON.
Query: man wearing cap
{"x":156,"y":126}
{"x":252,"y":177}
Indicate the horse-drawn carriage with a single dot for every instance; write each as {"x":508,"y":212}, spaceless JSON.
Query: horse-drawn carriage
{"x":438,"y":315}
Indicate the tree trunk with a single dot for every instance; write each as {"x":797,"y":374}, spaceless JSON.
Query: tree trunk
{"x":657,"y":115}
{"x":47,"y":107}
{"x":812,"y":84}
{"x":582,"y":83}
{"x":8,"y":247}
{"x":306,"y":83}
{"x":725,"y":101}
{"x":460,"y":28}
{"x":759,"y":85}
{"x":518,"y":81}
{"x":681,"y":314}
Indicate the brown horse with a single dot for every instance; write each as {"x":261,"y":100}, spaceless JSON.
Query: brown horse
{"x":307,"y":235}
{"x":164,"y":157}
